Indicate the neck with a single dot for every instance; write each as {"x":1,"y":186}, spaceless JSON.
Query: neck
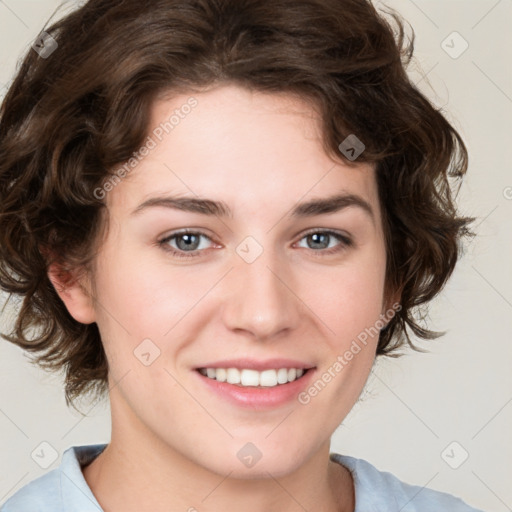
{"x":172,"y":482}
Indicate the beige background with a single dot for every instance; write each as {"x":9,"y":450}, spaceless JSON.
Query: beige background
{"x":415,"y":406}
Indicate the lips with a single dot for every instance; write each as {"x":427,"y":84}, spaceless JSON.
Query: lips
{"x":256,"y":384}
{"x":250,"y":372}
{"x":260,"y":366}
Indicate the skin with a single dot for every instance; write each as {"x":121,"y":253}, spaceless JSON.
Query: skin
{"x":171,"y":436}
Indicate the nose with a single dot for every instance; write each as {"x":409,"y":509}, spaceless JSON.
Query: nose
{"x":261,"y":299}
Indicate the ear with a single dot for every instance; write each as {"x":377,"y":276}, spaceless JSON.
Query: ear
{"x":74,"y":292}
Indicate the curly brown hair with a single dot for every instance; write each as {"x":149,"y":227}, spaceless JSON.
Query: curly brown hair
{"x":70,"y":118}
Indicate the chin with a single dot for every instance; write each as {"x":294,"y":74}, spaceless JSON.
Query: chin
{"x":249,"y":462}
{"x":260,"y":471}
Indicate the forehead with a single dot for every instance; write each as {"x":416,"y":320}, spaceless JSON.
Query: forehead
{"x":256,"y":151}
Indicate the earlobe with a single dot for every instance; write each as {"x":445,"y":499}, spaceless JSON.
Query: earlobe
{"x":77,"y":299}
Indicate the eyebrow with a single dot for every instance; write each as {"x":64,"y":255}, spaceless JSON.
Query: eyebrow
{"x":205,"y":206}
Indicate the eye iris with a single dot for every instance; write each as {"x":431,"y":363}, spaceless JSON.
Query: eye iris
{"x":315,"y":237}
{"x":189,"y":243}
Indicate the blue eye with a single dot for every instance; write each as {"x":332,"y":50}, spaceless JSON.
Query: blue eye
{"x":187,"y":241}
{"x":321,"y":240}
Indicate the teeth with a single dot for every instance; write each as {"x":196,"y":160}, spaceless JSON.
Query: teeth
{"x":246,"y":377}
{"x":282,"y":376}
{"x":233,"y":375}
{"x":249,"y":378}
{"x":221,"y":374}
{"x":268,"y":378}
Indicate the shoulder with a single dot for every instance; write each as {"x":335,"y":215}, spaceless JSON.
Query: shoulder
{"x":381,"y":491}
{"x":40,"y":495}
{"x":55,"y":490}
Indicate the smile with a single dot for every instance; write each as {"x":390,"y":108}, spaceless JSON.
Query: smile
{"x":253,"y":378}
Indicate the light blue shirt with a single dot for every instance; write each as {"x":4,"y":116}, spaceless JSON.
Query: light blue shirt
{"x":64,"y":489}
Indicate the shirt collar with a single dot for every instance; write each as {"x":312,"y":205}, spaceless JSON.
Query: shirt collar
{"x":76,"y":494}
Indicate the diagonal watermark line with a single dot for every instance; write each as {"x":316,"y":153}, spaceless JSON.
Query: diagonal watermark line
{"x":199,"y":301}
{"x":492,"y":81}
{"x":111,"y":316}
{"x":298,"y":201}
{"x":14,"y":423}
{"x":488,"y":282}
{"x":401,"y":508}
{"x":14,"y":300}
{"x":487,"y":216}
{"x":406,"y":406}
{"x":88,"y":412}
{"x":487,"y":423}
{"x":486,"y":14}
{"x":280,"y":423}
{"x":95,"y":299}
{"x":170,"y":170}
{"x":71,"y":480}
{"x":3,"y":89}
{"x":301,"y":300}
{"x":217,"y":486}
{"x":218,"y":217}
{"x":506,"y":505}
{"x":3,"y":3}
{"x":287,"y":492}
{"x":14,"y":486}
{"x":199,"y":403}
{"x":426,"y":74}
{"x":424,"y":13}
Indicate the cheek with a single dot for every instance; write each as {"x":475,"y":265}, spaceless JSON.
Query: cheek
{"x":348,"y":299}
{"x":350,"y":313}
{"x":125,"y":307}
{"x":141,"y":299}
{"x":131,"y":289}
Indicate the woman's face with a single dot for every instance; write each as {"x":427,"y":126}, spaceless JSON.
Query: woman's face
{"x":261,"y":282}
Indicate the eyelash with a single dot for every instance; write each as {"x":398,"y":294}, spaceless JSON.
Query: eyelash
{"x":345,"y":243}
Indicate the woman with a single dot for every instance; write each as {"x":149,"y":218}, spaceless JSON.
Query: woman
{"x":221,"y":212}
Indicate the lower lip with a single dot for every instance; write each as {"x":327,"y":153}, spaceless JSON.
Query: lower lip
{"x":259,"y":397}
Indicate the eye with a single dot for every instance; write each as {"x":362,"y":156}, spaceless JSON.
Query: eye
{"x":321,"y":240}
{"x":185,"y":242}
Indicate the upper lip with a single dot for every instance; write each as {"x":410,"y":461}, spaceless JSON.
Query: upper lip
{"x":253,"y":364}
